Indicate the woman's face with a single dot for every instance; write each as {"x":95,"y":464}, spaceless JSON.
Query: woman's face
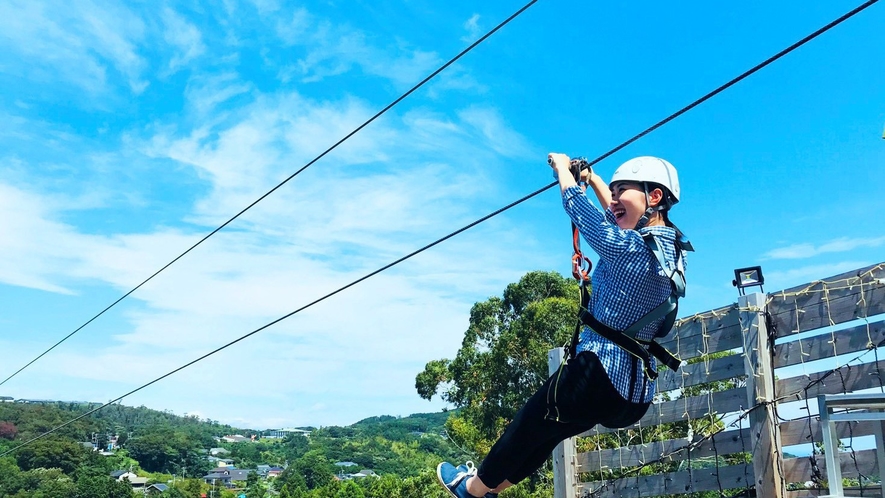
{"x":628,"y":204}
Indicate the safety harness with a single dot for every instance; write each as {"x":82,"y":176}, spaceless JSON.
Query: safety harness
{"x":626,"y":339}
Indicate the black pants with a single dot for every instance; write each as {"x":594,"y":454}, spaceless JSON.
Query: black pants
{"x":584,"y":397}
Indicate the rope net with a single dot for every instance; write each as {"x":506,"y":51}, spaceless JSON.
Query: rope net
{"x":824,"y":338}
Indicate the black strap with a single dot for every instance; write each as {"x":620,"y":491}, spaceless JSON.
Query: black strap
{"x":642,"y":350}
{"x":585,"y":304}
{"x":622,"y":341}
{"x":664,"y":356}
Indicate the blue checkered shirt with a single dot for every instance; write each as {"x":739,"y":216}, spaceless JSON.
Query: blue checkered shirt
{"x":628,"y":282}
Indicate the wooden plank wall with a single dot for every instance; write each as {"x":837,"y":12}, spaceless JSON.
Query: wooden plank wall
{"x":797,"y":314}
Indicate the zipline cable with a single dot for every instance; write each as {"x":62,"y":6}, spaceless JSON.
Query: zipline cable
{"x":467,"y":227}
{"x":293,"y":175}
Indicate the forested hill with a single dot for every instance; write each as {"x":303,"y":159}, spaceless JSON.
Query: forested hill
{"x":31,"y":419}
{"x":155,"y":445}
{"x":34,"y":418}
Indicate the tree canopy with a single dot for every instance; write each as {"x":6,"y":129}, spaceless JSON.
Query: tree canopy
{"x":503,"y":357}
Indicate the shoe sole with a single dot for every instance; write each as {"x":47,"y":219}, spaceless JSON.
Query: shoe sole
{"x":442,"y":482}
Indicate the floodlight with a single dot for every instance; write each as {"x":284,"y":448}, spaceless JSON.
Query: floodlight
{"x":748,"y":277}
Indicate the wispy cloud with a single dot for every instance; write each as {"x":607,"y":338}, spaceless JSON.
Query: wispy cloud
{"x":806,"y":250}
{"x":184,"y":37}
{"x":397,"y":185}
{"x":79,"y":43}
{"x":334,"y":49}
{"x":473,"y":29}
{"x":205,"y":92}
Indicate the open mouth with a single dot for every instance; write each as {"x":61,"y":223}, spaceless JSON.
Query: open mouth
{"x":619,"y":213}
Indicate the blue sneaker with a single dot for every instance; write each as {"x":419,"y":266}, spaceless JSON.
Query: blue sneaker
{"x":454,"y":479}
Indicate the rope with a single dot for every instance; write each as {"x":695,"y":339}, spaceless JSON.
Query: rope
{"x":612,"y":151}
{"x":290,"y":177}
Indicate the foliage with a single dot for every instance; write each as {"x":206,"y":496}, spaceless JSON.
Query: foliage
{"x":503,"y":357}
{"x":168,"y":451}
{"x":50,"y":453}
{"x":8,"y":430}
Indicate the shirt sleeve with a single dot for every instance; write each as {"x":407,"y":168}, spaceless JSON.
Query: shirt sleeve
{"x":599,"y":229}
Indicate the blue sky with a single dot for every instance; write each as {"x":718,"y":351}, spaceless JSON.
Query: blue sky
{"x":129,"y":131}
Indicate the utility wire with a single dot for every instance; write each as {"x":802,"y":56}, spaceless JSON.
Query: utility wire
{"x":471,"y":225}
{"x":293,"y":175}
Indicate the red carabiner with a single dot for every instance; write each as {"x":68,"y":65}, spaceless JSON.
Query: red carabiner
{"x":581,"y":265}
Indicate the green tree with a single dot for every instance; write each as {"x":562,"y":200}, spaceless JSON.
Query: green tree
{"x":387,"y":485}
{"x":350,"y":489}
{"x":292,"y":484}
{"x":52,"y":453}
{"x":102,"y":487}
{"x":315,"y":468}
{"x":187,"y":488}
{"x":503,"y":357}
{"x":255,"y":488}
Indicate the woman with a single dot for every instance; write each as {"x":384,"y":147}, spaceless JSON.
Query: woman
{"x":603,"y":382}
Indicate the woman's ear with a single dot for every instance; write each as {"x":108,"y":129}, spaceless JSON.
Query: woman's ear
{"x":655,"y":197}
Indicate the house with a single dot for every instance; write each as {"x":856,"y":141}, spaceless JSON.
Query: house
{"x":6,"y":399}
{"x":274,"y":472}
{"x":230,"y":478}
{"x":155,"y":489}
{"x":221,"y":462}
{"x":262,"y":470}
{"x":124,"y":475}
{"x":281,"y":433}
{"x":236,"y":438}
{"x":363,"y":473}
{"x":219,"y":452}
{"x":137,"y":482}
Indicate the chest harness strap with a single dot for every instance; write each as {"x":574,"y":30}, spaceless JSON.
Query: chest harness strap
{"x":626,"y":339}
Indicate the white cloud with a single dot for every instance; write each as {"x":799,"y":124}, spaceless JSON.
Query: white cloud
{"x":806,"y":250}
{"x":392,"y":188}
{"x":473,"y":29}
{"x":206,"y":92}
{"x":184,"y":37}
{"x":79,"y":43}
{"x":496,"y":132}
{"x":336,"y":49}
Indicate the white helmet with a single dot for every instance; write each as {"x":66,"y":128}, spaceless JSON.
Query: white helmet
{"x":651,"y":170}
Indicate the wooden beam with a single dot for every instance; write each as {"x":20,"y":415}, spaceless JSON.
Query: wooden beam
{"x":692,"y":340}
{"x":848,"y":297}
{"x":842,"y":279}
{"x":708,"y":479}
{"x":799,"y":469}
{"x":707,"y":322}
{"x":724,"y":443}
{"x":702,"y":372}
{"x":850,"y":340}
{"x":797,"y":431}
{"x":722,"y":402}
{"x":868,"y":490}
{"x":862,"y":376}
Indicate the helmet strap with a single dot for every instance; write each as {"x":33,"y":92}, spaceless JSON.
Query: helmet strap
{"x":649,"y":211}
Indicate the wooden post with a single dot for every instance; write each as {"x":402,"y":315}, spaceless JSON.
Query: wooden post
{"x":880,"y":454}
{"x":564,"y":470}
{"x":765,"y":435}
